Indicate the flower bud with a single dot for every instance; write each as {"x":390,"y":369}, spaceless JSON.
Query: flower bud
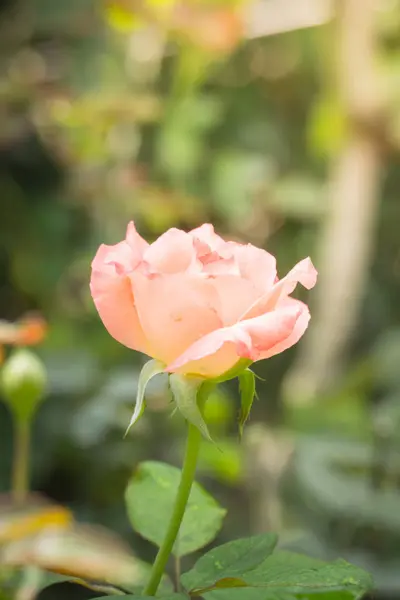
{"x":23,"y":381}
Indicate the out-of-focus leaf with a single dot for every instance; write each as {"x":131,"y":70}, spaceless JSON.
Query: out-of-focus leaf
{"x":334,"y":478}
{"x":326,"y":127}
{"x":385,"y":358}
{"x":155,"y":484}
{"x":228,"y":563}
{"x":299,"y":197}
{"x":169,"y":597}
{"x":87,"y":554}
{"x":224,"y":462}
{"x":181,"y":142}
{"x":18,"y":523}
{"x":121,"y":18}
{"x":235,"y":178}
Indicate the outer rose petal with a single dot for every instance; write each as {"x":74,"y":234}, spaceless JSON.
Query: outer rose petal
{"x":217,"y":352}
{"x":172,"y":252}
{"x":206,"y":234}
{"x":304,"y":272}
{"x":113,"y":297}
{"x":256,"y":265}
{"x":235,"y":295}
{"x":175,"y":311}
{"x":296,"y":334}
{"x":137,"y":244}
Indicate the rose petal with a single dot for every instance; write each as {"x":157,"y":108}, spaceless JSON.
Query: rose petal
{"x":297,"y":332}
{"x":175,"y":311}
{"x":112,"y":294}
{"x":304,"y":272}
{"x":256,"y":265}
{"x":235,"y":295}
{"x":135,"y":241}
{"x":217,"y":352}
{"x":206,"y":234}
{"x":172,"y":252}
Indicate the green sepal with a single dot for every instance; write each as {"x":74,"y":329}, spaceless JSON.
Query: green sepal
{"x":186,"y":392}
{"x":150,"y":369}
{"x":247,"y":388}
{"x":235,"y":371}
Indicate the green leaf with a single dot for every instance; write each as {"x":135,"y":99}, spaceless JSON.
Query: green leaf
{"x":247,"y":387}
{"x":150,"y":369}
{"x":150,"y":496}
{"x":185,"y":391}
{"x":229,"y":562}
{"x":263,"y":594}
{"x":170,"y":597}
{"x":287,"y":574}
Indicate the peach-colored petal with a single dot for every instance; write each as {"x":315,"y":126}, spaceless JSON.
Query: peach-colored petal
{"x":295,"y":335}
{"x":113,"y":298}
{"x":135,"y":241}
{"x":235,"y":295}
{"x":304,"y":272}
{"x":111,"y":258}
{"x":256,"y":265}
{"x":206,"y":234}
{"x":172,"y":252}
{"x":215,"y":353}
{"x":175,"y":310}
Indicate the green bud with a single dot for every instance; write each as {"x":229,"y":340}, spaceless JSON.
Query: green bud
{"x":23,"y":381}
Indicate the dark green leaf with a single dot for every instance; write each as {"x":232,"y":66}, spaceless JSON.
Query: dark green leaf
{"x":150,"y":496}
{"x":247,"y":387}
{"x":170,"y":597}
{"x":263,"y":594}
{"x":286,"y":574}
{"x":229,"y":562}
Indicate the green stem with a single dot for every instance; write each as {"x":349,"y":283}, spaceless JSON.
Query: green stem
{"x":185,"y":485}
{"x":20,"y":472}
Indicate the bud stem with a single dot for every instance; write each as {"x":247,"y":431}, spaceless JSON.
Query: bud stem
{"x":185,"y":485}
{"x":20,"y":472}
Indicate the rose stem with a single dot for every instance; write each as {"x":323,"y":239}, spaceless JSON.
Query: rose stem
{"x":182,"y":497}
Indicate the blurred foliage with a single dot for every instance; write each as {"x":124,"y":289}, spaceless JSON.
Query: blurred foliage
{"x":164,"y":112}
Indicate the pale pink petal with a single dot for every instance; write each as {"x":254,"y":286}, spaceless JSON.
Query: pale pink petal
{"x":304,"y":272}
{"x":112,"y":295}
{"x":214,"y":354}
{"x":175,"y":310}
{"x":235,"y":295}
{"x":256,"y":265}
{"x":219,"y":351}
{"x":206,"y":234}
{"x":135,"y":241}
{"x":118,"y":257}
{"x":295,"y":335}
{"x":216,"y":256}
{"x":172,"y":252}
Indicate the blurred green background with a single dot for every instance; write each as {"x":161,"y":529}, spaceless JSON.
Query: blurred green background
{"x":278,"y":122}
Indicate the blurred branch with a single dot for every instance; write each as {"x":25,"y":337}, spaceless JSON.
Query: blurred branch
{"x":269,"y":17}
{"x":267,"y":455}
{"x":347,"y":238}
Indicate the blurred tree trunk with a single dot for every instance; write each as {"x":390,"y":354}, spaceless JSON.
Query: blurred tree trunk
{"x":347,"y":237}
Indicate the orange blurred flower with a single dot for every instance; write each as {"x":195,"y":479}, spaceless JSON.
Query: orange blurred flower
{"x":28,"y":331}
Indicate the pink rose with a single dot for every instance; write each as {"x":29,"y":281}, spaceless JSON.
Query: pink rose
{"x":196,"y":303}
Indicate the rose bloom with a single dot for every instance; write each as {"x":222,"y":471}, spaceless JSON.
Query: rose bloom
{"x":197,"y":303}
